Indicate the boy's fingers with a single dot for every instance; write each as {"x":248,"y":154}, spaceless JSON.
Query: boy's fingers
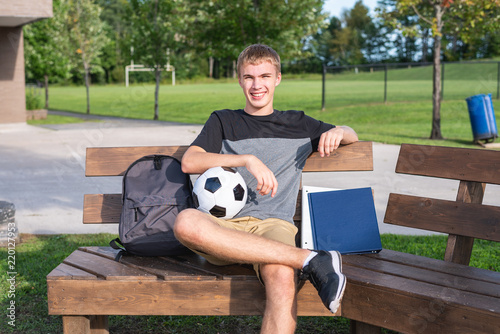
{"x":321,"y":145}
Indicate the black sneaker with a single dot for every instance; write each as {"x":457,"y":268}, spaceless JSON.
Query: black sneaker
{"x":325,"y":273}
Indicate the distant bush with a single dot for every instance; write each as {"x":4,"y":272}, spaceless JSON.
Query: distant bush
{"x":33,"y":98}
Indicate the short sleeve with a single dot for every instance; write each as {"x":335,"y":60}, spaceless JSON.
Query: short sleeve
{"x":315,"y":129}
{"x":210,"y":137}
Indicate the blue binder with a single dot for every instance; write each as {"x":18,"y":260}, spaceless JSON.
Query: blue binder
{"x":344,"y":220}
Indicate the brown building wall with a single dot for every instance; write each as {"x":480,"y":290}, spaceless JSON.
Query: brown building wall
{"x":12,"y":98}
{"x":13,"y":15}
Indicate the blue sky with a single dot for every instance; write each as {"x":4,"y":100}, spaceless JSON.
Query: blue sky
{"x":335,"y":7}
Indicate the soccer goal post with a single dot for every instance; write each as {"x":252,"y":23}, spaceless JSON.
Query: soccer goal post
{"x":141,"y":68}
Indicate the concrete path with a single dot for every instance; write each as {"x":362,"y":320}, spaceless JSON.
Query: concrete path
{"x":42,"y":171}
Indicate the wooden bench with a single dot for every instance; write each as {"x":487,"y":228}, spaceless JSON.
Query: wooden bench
{"x":394,"y":290}
{"x":89,"y":285}
{"x":415,"y":294}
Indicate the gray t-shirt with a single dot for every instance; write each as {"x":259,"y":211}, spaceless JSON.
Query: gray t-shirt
{"x":282,"y":141}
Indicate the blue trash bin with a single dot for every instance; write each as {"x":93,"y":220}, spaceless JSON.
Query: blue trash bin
{"x":482,"y":117}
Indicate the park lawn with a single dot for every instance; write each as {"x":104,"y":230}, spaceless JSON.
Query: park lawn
{"x":405,"y":118}
{"x":36,"y":256}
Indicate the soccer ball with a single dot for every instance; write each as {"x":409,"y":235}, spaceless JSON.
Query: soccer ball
{"x":220,"y":191}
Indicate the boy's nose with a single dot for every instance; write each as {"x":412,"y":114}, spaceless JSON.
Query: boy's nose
{"x":257,"y":83}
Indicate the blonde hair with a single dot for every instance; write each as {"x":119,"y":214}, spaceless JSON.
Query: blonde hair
{"x":256,"y":54}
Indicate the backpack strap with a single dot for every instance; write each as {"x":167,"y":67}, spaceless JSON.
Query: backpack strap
{"x":117,"y":244}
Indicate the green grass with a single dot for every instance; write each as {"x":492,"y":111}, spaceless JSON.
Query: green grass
{"x":406,"y":118}
{"x":36,"y":256}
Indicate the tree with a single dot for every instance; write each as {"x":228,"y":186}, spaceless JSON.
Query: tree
{"x":223,"y":28}
{"x":155,"y":26}
{"x":117,"y":51}
{"x":357,"y":40}
{"x":404,"y":29}
{"x":319,"y":45}
{"x":469,"y":18}
{"x":87,"y":36}
{"x":46,"y":48}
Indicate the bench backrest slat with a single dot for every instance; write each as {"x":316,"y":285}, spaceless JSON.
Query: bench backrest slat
{"x":106,"y":208}
{"x":451,"y":163}
{"x":114,"y":161}
{"x":466,"y":219}
{"x":102,"y":208}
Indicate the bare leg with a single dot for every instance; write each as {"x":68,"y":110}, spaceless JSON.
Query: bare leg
{"x":195,"y":230}
{"x":280,"y":315}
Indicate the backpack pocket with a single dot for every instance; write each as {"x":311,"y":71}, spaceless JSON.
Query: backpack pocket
{"x":152,"y":214}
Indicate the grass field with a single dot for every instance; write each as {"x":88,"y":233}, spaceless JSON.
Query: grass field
{"x":393,"y":123}
{"x":36,"y":256}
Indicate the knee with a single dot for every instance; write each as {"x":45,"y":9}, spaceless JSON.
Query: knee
{"x":279,"y":277}
{"x":185,"y":226}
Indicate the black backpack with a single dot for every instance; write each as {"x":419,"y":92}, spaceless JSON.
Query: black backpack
{"x":154,"y":191}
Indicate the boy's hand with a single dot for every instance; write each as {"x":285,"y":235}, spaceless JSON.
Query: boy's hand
{"x":266,"y":181}
{"x":330,"y":141}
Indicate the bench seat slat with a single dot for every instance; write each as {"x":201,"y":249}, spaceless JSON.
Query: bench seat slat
{"x":449,"y":295}
{"x":451,"y":163}
{"x":437,"y":265}
{"x":163,"y":268}
{"x":230,"y":272}
{"x":452,"y":217}
{"x":190,"y":266}
{"x":101,"y":267}
{"x":64,"y":271}
{"x":114,"y":161}
{"x":424,"y":274}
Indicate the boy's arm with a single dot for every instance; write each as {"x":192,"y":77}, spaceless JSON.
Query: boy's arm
{"x":331,"y":139}
{"x":196,"y":161}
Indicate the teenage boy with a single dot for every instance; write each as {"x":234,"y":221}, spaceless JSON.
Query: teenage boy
{"x":269,"y":148}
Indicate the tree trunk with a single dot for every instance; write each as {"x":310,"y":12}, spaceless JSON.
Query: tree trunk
{"x":157,"y":90}
{"x":210,"y":67}
{"x":87,"y":84}
{"x":46,"y":77}
{"x":425,"y":47}
{"x":436,"y":88}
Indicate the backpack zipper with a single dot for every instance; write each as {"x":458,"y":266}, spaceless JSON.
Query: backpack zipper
{"x":157,"y":162}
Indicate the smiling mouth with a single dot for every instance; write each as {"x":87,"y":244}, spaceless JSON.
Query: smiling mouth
{"x":257,"y":94}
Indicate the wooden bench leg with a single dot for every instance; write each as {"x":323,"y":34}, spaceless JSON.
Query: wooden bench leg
{"x":81,"y":324}
{"x":358,"y":327}
{"x":99,"y":324}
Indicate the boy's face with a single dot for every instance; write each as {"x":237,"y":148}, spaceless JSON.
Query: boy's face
{"x":258,"y":83}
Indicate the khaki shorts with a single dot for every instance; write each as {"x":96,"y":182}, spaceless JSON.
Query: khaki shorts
{"x":271,"y":228}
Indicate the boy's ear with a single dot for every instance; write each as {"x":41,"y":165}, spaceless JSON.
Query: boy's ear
{"x":278,"y":79}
